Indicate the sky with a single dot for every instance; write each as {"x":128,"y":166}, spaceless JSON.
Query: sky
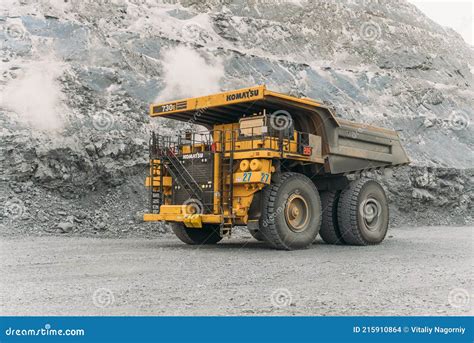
{"x":456,"y":14}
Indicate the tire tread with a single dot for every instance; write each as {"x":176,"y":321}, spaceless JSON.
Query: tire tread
{"x":330,"y":232}
{"x":180,"y":230}
{"x":348,"y":209}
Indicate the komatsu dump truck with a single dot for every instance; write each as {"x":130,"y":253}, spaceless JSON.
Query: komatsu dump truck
{"x":277,"y":164}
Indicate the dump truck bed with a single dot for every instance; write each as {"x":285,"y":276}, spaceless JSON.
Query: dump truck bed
{"x":347,"y":147}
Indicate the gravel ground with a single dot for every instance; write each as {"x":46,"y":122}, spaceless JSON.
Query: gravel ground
{"x":422,"y":271}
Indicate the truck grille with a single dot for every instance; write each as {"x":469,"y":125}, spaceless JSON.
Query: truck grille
{"x":201,"y":167}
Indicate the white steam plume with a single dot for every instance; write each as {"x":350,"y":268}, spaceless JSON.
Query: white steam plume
{"x":35,"y":95}
{"x":187,"y":74}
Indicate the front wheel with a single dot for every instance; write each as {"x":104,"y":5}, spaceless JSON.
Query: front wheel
{"x":363,"y":213}
{"x":208,"y":234}
{"x":257,"y":234}
{"x":291,"y":215}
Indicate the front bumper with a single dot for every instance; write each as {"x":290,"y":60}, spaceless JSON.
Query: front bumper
{"x":175,"y":213}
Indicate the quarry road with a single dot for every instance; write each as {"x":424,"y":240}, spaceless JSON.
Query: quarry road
{"x":415,"y":271}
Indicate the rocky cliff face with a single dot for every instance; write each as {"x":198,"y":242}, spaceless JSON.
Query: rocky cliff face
{"x":77,"y":76}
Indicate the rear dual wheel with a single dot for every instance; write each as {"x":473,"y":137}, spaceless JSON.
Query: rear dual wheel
{"x":357,"y":215}
{"x":363,"y":213}
{"x":330,"y":232}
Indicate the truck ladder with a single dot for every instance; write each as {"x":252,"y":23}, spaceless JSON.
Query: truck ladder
{"x":156,"y":195}
{"x":227,"y":190}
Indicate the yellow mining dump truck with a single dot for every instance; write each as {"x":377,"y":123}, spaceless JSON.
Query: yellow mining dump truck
{"x":274,"y":163}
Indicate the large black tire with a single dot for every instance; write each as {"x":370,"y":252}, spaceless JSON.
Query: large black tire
{"x":257,"y":234}
{"x":291,"y":214}
{"x":208,"y":234}
{"x":363,"y":213}
{"x":330,"y":232}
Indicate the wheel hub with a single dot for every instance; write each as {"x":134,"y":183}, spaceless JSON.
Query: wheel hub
{"x":297,"y":213}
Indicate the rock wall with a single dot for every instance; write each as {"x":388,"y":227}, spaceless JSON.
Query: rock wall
{"x":77,"y":78}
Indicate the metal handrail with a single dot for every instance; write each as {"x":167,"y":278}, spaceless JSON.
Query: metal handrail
{"x":277,"y":142}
